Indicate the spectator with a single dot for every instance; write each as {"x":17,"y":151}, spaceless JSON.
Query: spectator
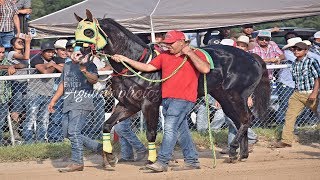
{"x":129,"y":141}
{"x":4,"y":93}
{"x":24,"y":9}
{"x":243,"y":43}
{"x":248,"y":30}
{"x":39,"y":92}
{"x":76,"y":78}
{"x":315,"y":47}
{"x":69,"y":47}
{"x":178,"y":98}
{"x":306,"y":73}
{"x":8,"y":20}
{"x":290,"y":35}
{"x":19,"y":55}
{"x":55,"y":126}
{"x":267,"y":49}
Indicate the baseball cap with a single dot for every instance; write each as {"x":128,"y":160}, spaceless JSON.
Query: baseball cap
{"x":317,"y":34}
{"x":47,"y":46}
{"x":263,"y":33}
{"x":173,"y":36}
{"x":301,"y":45}
{"x":70,"y":42}
{"x":60,"y":44}
{"x":291,"y":42}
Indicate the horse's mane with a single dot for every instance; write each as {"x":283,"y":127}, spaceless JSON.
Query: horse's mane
{"x":125,"y":31}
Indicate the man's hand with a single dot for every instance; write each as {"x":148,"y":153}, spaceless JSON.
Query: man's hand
{"x":119,"y":58}
{"x":11,"y":70}
{"x":83,"y":69}
{"x":186,"y":50}
{"x":50,"y":64}
{"x":76,"y":56}
{"x":50,"y":107}
{"x":312,"y":96}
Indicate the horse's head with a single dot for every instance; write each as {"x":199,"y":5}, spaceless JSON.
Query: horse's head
{"x":88,"y":34}
{"x":108,"y":35}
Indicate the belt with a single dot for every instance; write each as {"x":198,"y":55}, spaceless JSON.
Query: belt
{"x":305,"y":92}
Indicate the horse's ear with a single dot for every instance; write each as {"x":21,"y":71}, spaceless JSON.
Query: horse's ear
{"x":78,"y":17}
{"x":89,"y":15}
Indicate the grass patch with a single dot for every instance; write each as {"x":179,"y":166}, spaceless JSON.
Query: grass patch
{"x":34,"y":152}
{"x":42,"y":151}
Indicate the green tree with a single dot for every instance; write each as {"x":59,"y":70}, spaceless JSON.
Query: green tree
{"x":43,"y":7}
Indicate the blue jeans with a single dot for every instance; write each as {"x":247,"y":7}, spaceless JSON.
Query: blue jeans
{"x":55,"y":126}
{"x":38,"y":113}
{"x":5,"y":38}
{"x":128,"y":140}
{"x":176,"y":129}
{"x":202,"y":122}
{"x":72,"y":124}
{"x":220,"y":118}
{"x":252,"y":137}
{"x":284,"y":92}
{"x":93,"y":127}
{"x":18,"y":100}
{"x":3,"y":116}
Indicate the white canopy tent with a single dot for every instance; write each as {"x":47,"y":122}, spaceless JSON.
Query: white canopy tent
{"x":149,"y":16}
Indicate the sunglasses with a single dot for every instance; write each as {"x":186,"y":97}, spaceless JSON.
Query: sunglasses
{"x":263,"y":38}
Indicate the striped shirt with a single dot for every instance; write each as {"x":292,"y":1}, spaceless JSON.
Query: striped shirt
{"x":7,"y":11}
{"x":271,"y":52}
{"x":305,"y":72}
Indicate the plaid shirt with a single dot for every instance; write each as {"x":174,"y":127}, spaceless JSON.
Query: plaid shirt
{"x":315,"y":48}
{"x":272,"y":50}
{"x":304,"y":73}
{"x":5,"y":90}
{"x":7,"y":11}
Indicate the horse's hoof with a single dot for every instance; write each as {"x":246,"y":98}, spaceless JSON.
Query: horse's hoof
{"x":112,"y":159}
{"x":243,"y":156}
{"x":233,"y":159}
{"x":148,"y":162}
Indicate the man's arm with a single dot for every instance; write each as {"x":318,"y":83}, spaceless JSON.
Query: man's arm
{"x":135,"y":64}
{"x":92,"y":78}
{"x":202,"y":66}
{"x":16,"y":22}
{"x":314,"y":94}
{"x":45,"y":68}
{"x":56,"y":97}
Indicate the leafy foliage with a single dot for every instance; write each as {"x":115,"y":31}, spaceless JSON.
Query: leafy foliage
{"x":43,"y":7}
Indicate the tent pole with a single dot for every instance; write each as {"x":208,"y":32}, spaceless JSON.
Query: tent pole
{"x":153,"y":37}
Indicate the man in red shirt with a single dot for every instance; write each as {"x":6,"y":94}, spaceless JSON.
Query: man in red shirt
{"x":179,"y":93}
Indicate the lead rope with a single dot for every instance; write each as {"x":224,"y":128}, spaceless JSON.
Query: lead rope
{"x":208,"y":118}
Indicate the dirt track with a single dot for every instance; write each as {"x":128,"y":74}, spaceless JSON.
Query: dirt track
{"x":299,"y":162}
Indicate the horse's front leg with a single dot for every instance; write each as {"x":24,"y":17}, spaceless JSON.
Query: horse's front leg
{"x":151,"y":114}
{"x":120,"y":113}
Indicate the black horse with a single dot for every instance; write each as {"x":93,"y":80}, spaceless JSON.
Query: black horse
{"x":236,"y":76}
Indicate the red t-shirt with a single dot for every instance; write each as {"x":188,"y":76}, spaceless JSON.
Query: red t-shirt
{"x":182,"y":85}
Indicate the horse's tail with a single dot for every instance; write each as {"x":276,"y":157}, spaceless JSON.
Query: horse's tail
{"x":262,"y":91}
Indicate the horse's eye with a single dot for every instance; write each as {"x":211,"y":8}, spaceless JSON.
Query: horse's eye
{"x":89,"y":33}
